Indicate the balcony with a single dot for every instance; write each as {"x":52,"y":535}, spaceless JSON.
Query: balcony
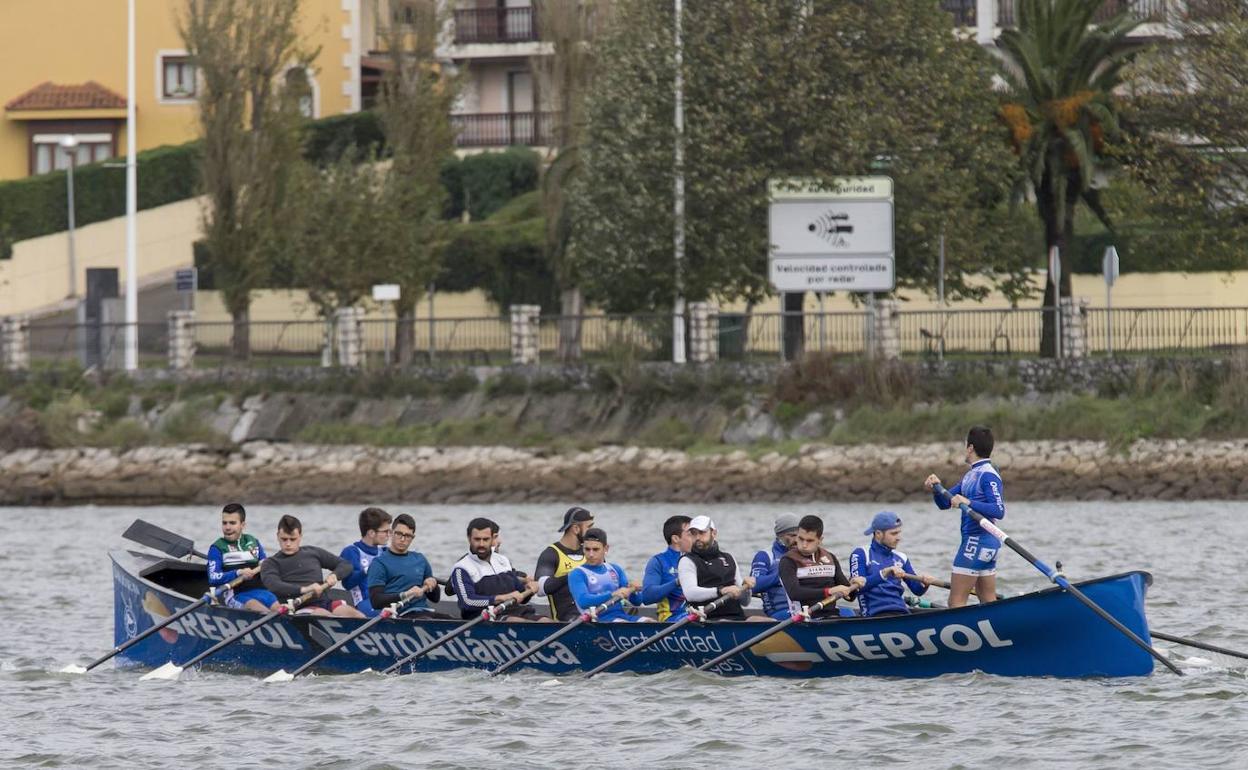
{"x":503,"y":129}
{"x":494,"y":25}
{"x":1149,"y":10}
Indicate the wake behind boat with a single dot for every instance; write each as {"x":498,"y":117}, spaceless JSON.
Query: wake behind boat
{"x":1009,"y":637}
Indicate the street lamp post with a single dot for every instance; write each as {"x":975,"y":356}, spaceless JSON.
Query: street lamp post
{"x":70,"y":145}
{"x":678,"y":307}
{"x":132,"y":200}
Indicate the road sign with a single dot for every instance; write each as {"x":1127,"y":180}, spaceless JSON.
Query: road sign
{"x":832,"y":236}
{"x":1055,"y":266}
{"x":1109,"y":266}
{"x":386,"y":292}
{"x":186,"y":280}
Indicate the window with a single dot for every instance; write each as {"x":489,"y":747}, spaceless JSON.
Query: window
{"x":177,"y":77}
{"x":49,"y":155}
{"x":300,"y":87}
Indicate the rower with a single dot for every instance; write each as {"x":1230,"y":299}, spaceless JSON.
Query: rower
{"x":560,"y":558}
{"x":765,"y":568}
{"x":484,"y":577}
{"x":237,"y":554}
{"x":882,"y":569}
{"x":400,"y":574}
{"x":981,"y":489}
{"x":374,"y":534}
{"x":660,"y":585}
{"x":596,"y":582}
{"x":297,"y":570}
{"x":707,"y":573}
{"x":810,"y":573}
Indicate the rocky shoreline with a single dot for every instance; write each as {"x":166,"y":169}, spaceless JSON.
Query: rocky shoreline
{"x":264,"y":472}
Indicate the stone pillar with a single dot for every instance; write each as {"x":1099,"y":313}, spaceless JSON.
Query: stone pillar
{"x":181,"y":339}
{"x":1074,"y":327}
{"x":703,"y":332}
{"x":112,"y":337}
{"x":525,"y":322}
{"x":350,"y":336}
{"x":885,"y":339}
{"x":15,"y":342}
{"x":985,"y":21}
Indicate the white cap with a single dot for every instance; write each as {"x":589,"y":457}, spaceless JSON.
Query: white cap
{"x":701,"y":523}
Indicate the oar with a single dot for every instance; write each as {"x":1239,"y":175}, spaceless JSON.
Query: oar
{"x":934,"y":582}
{"x":1059,"y":579}
{"x":1198,"y":644}
{"x":280,"y":675}
{"x":489,"y":613}
{"x":172,"y":671}
{"x":590,"y":614}
{"x":162,"y":540}
{"x":205,"y":599}
{"x":800,"y":617}
{"x":691,"y":614}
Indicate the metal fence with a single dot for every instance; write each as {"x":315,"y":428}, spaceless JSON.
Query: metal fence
{"x":487,"y":341}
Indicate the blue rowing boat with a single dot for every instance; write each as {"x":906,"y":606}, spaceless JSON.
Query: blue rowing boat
{"x":1046,"y":633}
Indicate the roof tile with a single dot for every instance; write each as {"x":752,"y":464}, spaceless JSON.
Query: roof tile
{"x":75,"y":96}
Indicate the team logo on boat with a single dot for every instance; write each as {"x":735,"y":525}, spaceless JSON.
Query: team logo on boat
{"x":886,"y":645}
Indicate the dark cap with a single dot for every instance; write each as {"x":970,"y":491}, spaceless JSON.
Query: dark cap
{"x":596,"y":535}
{"x":575,"y":513}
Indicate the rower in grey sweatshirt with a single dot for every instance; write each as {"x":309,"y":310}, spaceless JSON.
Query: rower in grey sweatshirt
{"x":287,"y":575}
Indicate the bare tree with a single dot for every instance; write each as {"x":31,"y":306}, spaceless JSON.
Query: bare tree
{"x":565,"y":77}
{"x":414,"y":102}
{"x":250,"y":134}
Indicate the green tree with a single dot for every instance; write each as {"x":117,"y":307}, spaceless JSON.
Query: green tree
{"x":250,"y":130}
{"x":1063,"y":71}
{"x":821,"y":89}
{"x":414,"y":103}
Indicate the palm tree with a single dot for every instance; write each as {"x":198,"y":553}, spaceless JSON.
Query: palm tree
{"x":1063,"y":70}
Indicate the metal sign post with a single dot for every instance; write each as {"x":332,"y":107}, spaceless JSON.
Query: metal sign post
{"x":386,"y":294}
{"x":186,"y":283}
{"x":1109,"y":267}
{"x":1055,"y":275}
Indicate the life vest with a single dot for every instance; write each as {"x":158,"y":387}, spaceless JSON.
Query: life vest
{"x":717,"y":570}
{"x":244,"y":554}
{"x":562,"y":605}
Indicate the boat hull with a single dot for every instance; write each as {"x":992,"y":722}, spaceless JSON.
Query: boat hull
{"x":1047,"y":633}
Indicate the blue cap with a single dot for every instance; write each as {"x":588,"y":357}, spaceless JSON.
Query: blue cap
{"x":884,"y":520}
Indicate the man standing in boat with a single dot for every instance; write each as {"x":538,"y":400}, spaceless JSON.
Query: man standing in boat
{"x":707,"y":573}
{"x":560,"y":558}
{"x":400,"y":574}
{"x":374,"y":535}
{"x":981,"y":489}
{"x":484,"y":577}
{"x":883,"y":569}
{"x":596,"y":582}
{"x":237,"y":554}
{"x":297,"y":570}
{"x":765,"y":568}
{"x":810,"y":573}
{"x":660,"y":585}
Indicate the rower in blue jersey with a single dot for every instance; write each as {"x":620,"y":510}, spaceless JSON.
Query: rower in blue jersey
{"x":765,"y":568}
{"x":402,"y":574}
{"x":981,"y":489}
{"x":374,"y":534}
{"x":238,"y":554}
{"x":596,"y":581}
{"x":880,"y":570}
{"x":660,"y":585}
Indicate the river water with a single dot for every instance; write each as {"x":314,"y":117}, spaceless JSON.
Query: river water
{"x":56,"y":606}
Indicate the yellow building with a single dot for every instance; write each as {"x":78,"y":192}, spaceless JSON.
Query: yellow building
{"x":63,"y":73}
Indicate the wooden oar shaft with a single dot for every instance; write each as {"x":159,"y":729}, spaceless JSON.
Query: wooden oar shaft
{"x":1198,"y":644}
{"x":689,"y":617}
{"x":777,"y":628}
{"x":567,"y":629}
{"x":1060,"y":580}
{"x":441,"y":640}
{"x":188,"y":609}
{"x":934,"y":582}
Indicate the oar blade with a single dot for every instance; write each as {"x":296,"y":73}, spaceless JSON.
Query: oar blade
{"x":74,"y":668}
{"x":162,"y":540}
{"x":279,"y":675}
{"x":168,"y":672}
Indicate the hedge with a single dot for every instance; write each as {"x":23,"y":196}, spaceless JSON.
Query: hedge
{"x":36,"y":206}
